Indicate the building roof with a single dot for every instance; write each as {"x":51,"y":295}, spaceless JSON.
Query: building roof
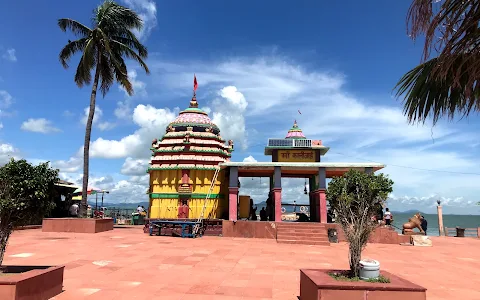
{"x":295,"y":132}
{"x":295,"y":139}
{"x":291,"y":169}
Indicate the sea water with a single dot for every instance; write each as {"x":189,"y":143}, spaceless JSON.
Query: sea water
{"x":451,"y":221}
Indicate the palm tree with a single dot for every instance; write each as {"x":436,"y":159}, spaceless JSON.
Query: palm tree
{"x":445,"y":84}
{"x":103,"y":49}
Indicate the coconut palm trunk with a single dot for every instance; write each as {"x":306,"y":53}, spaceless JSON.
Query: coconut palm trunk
{"x":86,"y":147}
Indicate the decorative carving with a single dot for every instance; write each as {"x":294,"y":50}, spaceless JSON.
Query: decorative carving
{"x":190,"y":128}
{"x":413,"y":222}
{"x":186,"y":139}
{"x":185,"y":188}
{"x":170,"y":128}
{"x":209,"y":129}
{"x":154,"y":142}
{"x":230,"y":144}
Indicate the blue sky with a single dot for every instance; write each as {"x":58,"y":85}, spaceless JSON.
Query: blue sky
{"x":257,"y":63}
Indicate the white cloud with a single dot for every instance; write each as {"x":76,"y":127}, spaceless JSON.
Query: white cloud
{"x":131,"y":189}
{"x":124,"y":108}
{"x":5,"y":99}
{"x":10,"y":55}
{"x":72,"y":165}
{"x":152,"y":123}
{"x":134,"y":166}
{"x":68,"y":114}
{"x":139,"y":87}
{"x":39,"y":125}
{"x":249,"y":159}
{"x":147,"y":9}
{"x":229,"y":114}
{"x":7,"y":152}
{"x":97,"y":119}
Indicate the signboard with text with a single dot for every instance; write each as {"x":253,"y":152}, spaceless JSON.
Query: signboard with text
{"x":296,"y":156}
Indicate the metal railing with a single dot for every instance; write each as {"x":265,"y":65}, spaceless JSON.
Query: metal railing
{"x":300,"y":143}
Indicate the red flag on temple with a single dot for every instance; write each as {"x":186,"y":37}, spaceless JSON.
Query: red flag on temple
{"x":195,"y":84}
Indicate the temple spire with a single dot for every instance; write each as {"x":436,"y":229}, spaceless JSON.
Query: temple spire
{"x":193,"y":102}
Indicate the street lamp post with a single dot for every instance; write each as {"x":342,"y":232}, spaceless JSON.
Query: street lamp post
{"x":103,"y":192}
{"x":440,"y":218}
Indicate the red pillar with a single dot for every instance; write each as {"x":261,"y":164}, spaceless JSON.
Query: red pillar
{"x":320,"y":206}
{"x":232,"y":203}
{"x":277,"y":200}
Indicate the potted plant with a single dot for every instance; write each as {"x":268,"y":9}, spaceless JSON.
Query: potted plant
{"x":26,"y":193}
{"x":355,"y":197}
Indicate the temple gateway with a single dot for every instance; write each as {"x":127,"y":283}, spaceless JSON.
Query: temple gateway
{"x":192,"y":177}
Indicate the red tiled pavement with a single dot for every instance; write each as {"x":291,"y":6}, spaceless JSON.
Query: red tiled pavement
{"x":128,"y":264}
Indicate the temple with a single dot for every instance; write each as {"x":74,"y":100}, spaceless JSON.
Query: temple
{"x":184,"y":161}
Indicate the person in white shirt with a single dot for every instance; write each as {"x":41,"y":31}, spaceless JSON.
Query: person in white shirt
{"x":388,"y":217}
{"x":74,"y":210}
{"x":139,"y":209}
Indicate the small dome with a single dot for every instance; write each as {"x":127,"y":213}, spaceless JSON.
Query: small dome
{"x":295,"y":132}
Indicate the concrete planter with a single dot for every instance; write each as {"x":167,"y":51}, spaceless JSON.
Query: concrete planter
{"x":78,"y":225}
{"x":318,"y":284}
{"x":369,"y":268}
{"x":31,"y":282}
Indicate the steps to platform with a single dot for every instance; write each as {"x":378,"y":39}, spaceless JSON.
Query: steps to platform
{"x":302,"y":233}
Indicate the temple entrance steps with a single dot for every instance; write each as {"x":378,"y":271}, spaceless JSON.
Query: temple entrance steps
{"x":302,"y":233}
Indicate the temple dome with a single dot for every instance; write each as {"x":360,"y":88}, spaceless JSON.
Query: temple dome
{"x":191,"y":141}
{"x":295,"y":132}
{"x":193,"y":117}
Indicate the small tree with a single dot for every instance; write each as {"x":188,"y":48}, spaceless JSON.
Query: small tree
{"x":26,"y":194}
{"x":355,"y":198}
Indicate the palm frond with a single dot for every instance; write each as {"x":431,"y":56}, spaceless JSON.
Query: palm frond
{"x":70,"y":49}
{"x":129,"y":53}
{"x":129,"y":39}
{"x":111,"y":16}
{"x":86,"y":64}
{"x":76,"y":27}
{"x":427,"y":92}
{"x":106,"y":43}
{"x":106,"y":46}
{"x":106,"y":68}
{"x":121,"y":75}
{"x":450,"y":26}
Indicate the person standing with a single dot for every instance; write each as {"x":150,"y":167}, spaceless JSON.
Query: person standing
{"x":388,"y":217}
{"x":74,"y":210}
{"x":263,"y":214}
{"x":424,"y":224}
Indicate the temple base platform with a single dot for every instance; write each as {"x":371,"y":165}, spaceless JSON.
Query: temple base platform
{"x":213,"y":227}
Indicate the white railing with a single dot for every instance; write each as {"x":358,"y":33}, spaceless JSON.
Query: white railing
{"x":290,"y":143}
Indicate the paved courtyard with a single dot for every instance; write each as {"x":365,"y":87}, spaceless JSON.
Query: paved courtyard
{"x":127,"y":264}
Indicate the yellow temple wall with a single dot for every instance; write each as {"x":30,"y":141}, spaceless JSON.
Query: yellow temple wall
{"x":167,"y":182}
{"x":164,"y":209}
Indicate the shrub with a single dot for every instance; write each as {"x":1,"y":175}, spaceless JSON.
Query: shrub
{"x":26,"y":194}
{"x":355,"y":198}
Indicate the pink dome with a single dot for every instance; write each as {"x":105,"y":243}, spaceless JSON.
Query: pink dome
{"x":193,"y":118}
{"x":295,"y":134}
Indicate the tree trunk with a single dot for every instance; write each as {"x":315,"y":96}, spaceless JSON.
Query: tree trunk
{"x":86,"y":146}
{"x":4,"y":235}
{"x":354,"y":257}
